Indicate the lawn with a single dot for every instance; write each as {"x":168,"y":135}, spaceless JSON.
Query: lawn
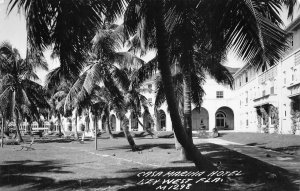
{"x":71,"y":165}
{"x":289,"y":144}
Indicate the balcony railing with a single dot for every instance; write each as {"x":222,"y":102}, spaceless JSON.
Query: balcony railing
{"x":267,"y":75}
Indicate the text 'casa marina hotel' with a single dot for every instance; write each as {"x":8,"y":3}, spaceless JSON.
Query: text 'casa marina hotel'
{"x":269,"y":98}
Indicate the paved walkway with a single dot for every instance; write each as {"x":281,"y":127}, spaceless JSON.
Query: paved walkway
{"x":282,"y":160}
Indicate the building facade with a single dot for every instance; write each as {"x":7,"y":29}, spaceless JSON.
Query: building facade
{"x":269,"y":97}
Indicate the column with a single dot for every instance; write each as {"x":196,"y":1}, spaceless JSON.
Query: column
{"x":140,"y":127}
{"x":118,"y":124}
{"x":168,"y":122}
{"x":100,"y":123}
{"x":212,"y":120}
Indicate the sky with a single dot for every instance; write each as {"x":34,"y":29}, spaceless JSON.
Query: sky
{"x":13,"y":29}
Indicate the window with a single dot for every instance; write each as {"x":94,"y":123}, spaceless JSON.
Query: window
{"x":220,"y":119}
{"x":284,"y":78}
{"x":220,"y":94}
{"x":246,"y":77}
{"x":246,"y":97}
{"x":247,"y":121}
{"x":263,"y":92}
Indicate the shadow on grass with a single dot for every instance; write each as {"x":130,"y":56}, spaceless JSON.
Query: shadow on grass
{"x":295,"y":149}
{"x":288,"y":149}
{"x":222,"y":134}
{"x":141,"y":146}
{"x":258,"y":175}
{"x":21,"y":175}
{"x":256,"y":144}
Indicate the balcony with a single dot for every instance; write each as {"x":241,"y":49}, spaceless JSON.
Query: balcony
{"x":265,"y":93}
{"x":267,"y":75}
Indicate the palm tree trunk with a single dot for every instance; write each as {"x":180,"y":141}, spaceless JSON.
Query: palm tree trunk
{"x":2,"y":131}
{"x":59,"y":124}
{"x":146,"y":129}
{"x":76,"y":115}
{"x":108,"y":127}
{"x":96,"y":131}
{"x":125,"y":127}
{"x":200,"y":161}
{"x":187,"y":62}
{"x":19,"y":137}
{"x":187,"y":112}
{"x":6,"y":129}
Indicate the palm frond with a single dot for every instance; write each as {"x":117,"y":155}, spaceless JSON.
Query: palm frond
{"x":145,"y":72}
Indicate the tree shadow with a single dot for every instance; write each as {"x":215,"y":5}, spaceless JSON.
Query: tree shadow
{"x":22,"y":175}
{"x":289,"y":150}
{"x":256,"y":144}
{"x":141,"y":146}
{"x":258,"y":175}
{"x":12,"y":173}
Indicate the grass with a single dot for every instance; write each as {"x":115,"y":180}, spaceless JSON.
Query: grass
{"x":289,"y":144}
{"x":59,"y":165}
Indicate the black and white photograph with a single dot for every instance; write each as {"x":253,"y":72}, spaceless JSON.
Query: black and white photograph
{"x":150,"y":95}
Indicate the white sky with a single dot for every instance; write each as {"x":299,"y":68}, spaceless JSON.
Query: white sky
{"x":13,"y":29}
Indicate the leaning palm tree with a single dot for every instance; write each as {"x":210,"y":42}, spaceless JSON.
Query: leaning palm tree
{"x":56,"y":103}
{"x":18,"y":93}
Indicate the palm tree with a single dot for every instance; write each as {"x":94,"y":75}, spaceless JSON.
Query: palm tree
{"x":18,"y":93}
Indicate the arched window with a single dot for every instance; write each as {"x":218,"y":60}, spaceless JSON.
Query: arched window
{"x":220,"y":119}
{"x":162,"y":120}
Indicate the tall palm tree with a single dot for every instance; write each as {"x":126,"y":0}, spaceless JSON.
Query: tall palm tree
{"x":18,"y":93}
